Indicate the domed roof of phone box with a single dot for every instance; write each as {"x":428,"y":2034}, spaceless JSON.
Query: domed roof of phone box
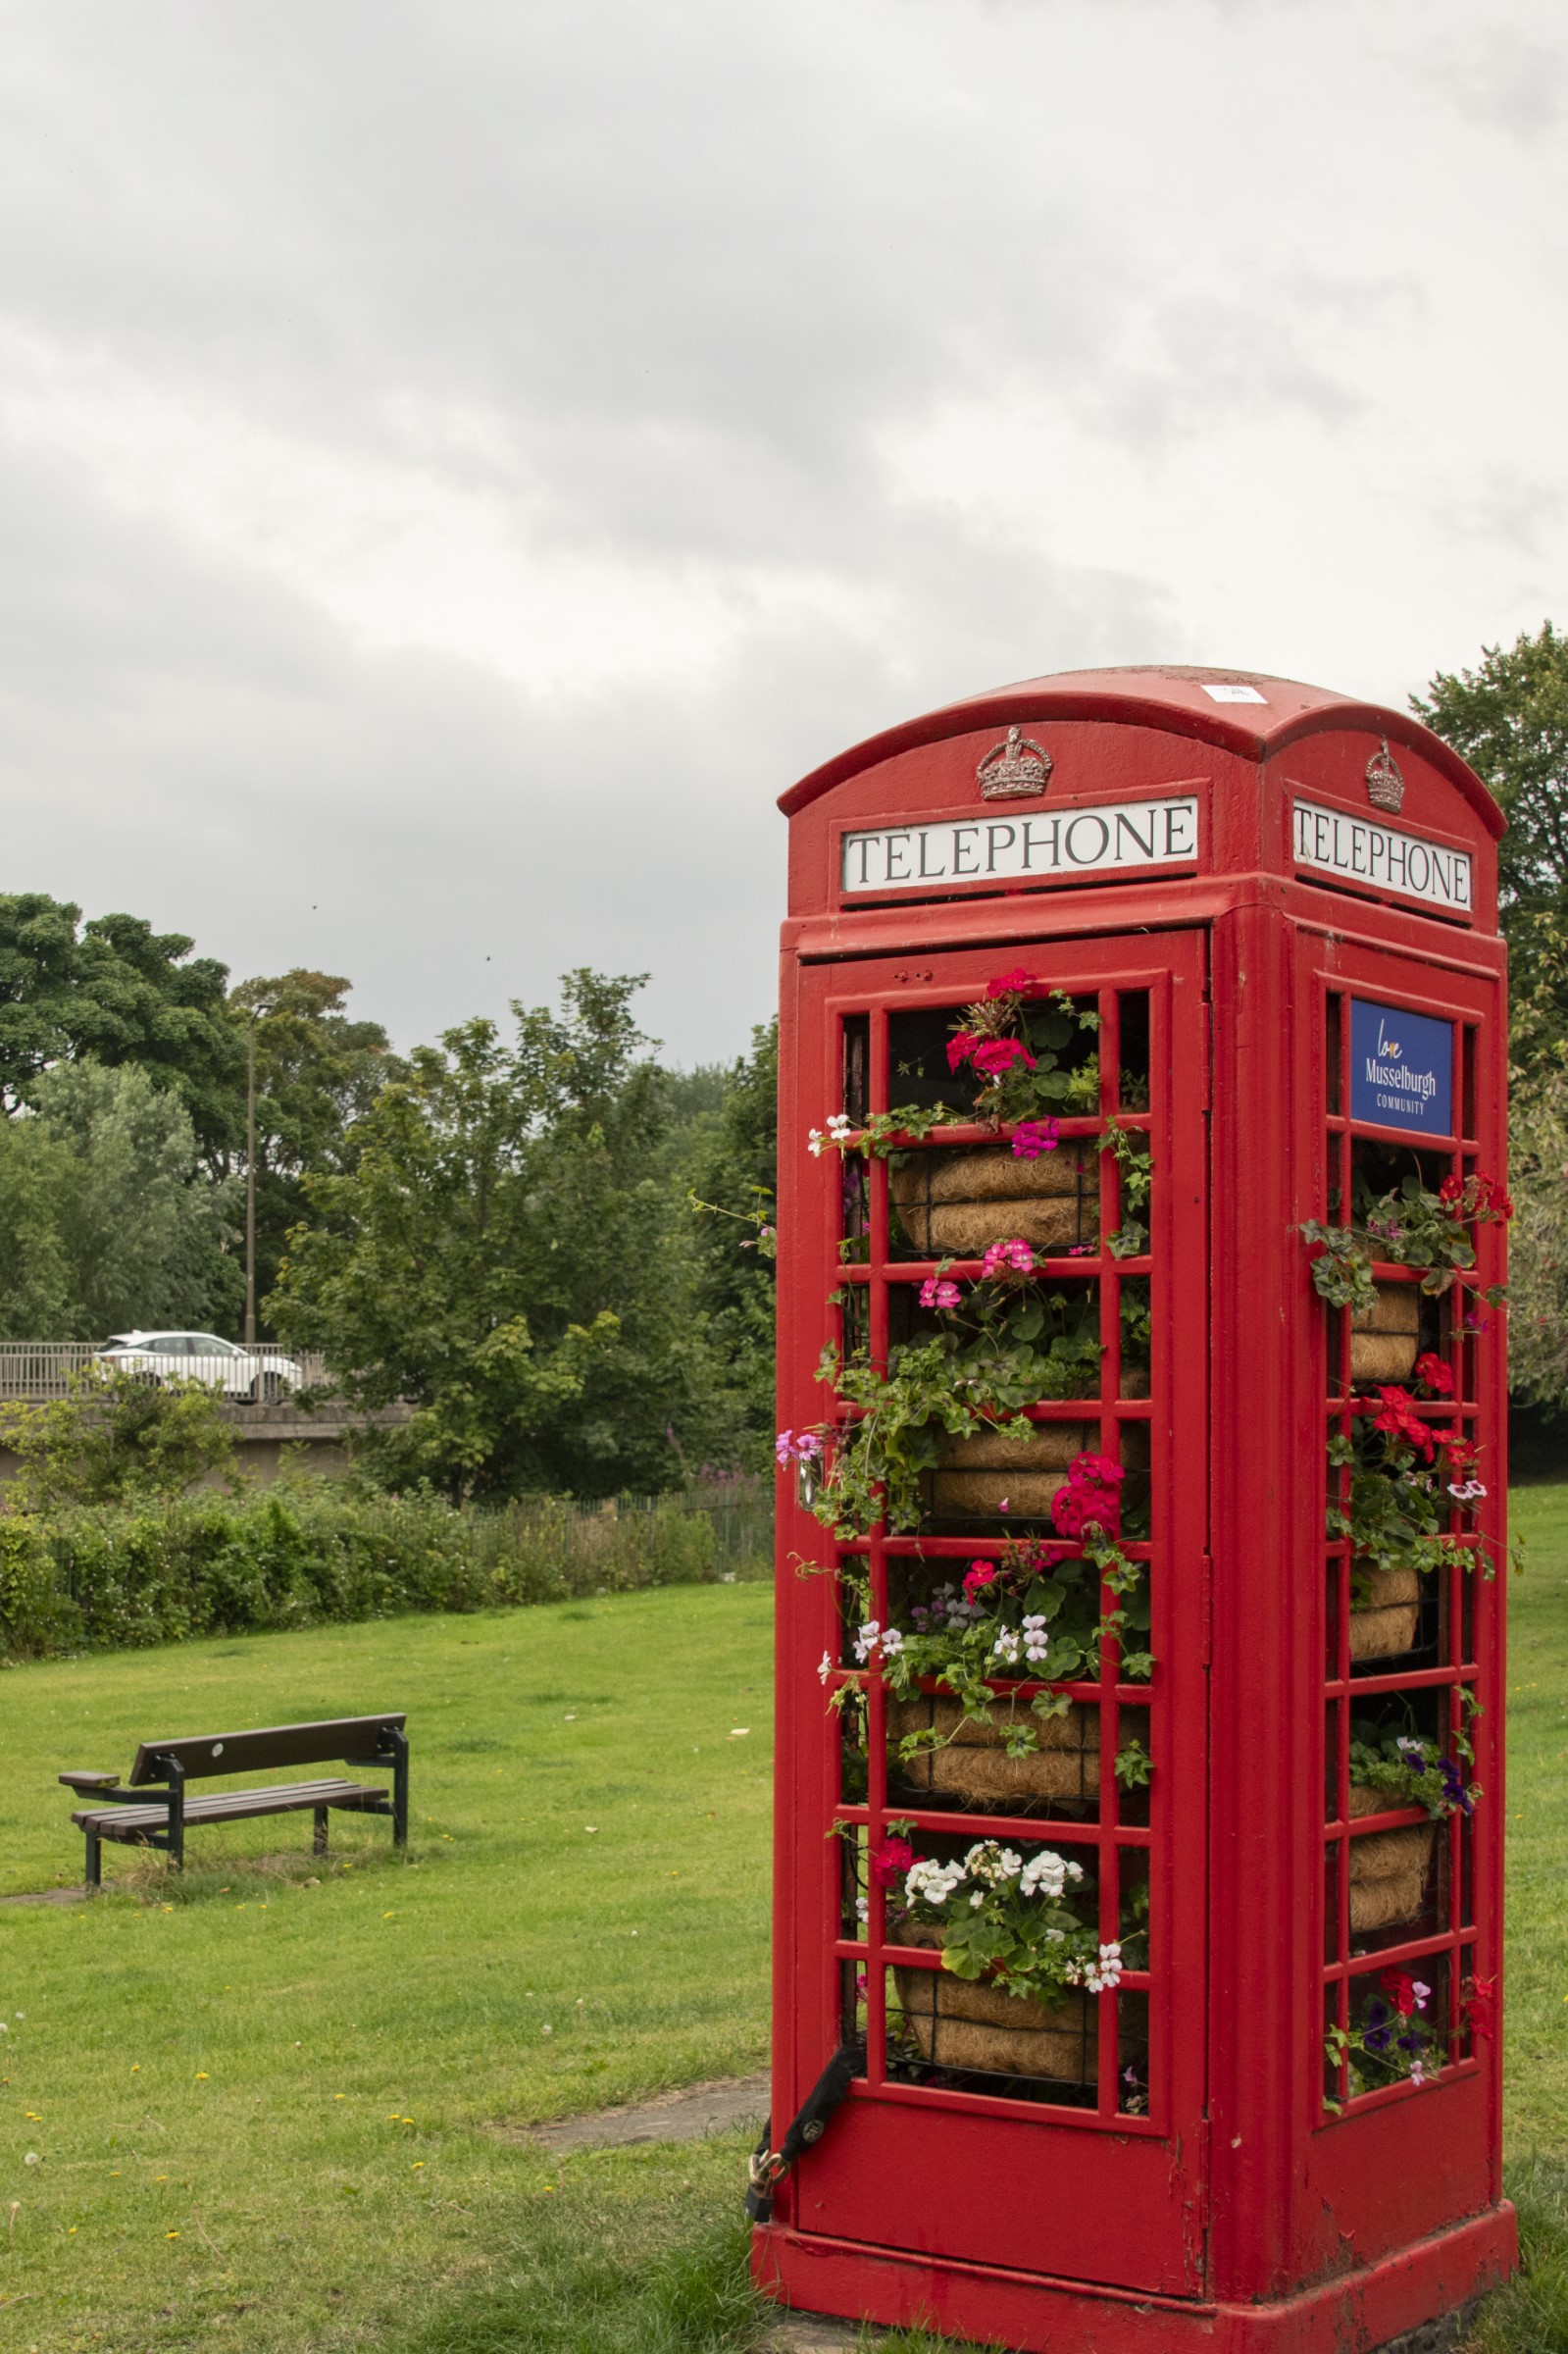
{"x":1172,"y":696}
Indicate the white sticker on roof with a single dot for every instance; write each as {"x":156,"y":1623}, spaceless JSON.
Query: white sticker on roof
{"x":1229,"y":692}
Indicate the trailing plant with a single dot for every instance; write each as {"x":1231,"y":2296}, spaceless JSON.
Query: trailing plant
{"x":1004,"y":1343}
{"x":1129,"y":1148}
{"x":1410,"y":1227}
{"x":1404,"y":1477}
{"x":1034,"y":1613}
{"x":1010,"y":1044}
{"x":1012,"y":1922}
{"x":1410,"y":1771}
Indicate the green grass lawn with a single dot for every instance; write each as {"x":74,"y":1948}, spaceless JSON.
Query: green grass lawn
{"x":274,"y":2116}
{"x":270,"y":2114}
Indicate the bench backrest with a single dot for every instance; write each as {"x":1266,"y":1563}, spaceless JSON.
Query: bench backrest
{"x":356,"y":1737}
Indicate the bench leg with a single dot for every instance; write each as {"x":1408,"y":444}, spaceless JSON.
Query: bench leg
{"x":318,"y":1844}
{"x":400,"y":1743}
{"x":94,"y":1866}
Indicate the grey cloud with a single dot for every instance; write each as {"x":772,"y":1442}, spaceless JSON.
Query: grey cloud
{"x":663,"y":285}
{"x":186,"y":737}
{"x":1509,"y":78}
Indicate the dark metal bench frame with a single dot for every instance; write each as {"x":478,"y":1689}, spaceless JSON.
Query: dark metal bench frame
{"x":162,"y":1770}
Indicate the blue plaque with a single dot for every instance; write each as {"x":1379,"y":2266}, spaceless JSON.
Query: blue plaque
{"x":1402,"y":1068}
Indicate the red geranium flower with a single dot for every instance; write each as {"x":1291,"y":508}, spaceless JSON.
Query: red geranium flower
{"x":1480,"y":2005}
{"x":1400,"y":1988}
{"x":890,"y":1862}
{"x":1013,"y":984}
{"x":977,"y":1576}
{"x":996,"y":1056}
{"x":1435,"y":1373}
{"x":960,"y":1049}
{"x":1475,"y":1196}
{"x":1400,"y":1420}
{"x":1090,"y":1498}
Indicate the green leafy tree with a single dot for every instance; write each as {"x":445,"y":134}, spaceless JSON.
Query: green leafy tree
{"x":1509,"y":719}
{"x":1538,"y":1253}
{"x":732,"y":1174}
{"x":114,"y":1438}
{"x":116,"y":993}
{"x":36,"y":1300}
{"x":504,"y":1255}
{"x":317,"y":1072}
{"x":114,"y":1223}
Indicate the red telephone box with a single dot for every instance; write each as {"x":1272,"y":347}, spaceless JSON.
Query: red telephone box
{"x":1231,"y":944}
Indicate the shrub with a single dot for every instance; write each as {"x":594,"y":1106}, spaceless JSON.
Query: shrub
{"x":311,"y":1550}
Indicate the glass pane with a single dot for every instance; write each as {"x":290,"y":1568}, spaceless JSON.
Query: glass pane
{"x":1134,"y":1091}
{"x":1132,"y":2053}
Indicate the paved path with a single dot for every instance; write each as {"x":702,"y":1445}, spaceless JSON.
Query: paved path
{"x":688,"y":2116}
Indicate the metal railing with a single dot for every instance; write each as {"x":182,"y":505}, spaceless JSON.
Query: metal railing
{"x":37,"y":1370}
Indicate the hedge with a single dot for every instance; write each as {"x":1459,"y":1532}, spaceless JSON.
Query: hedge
{"x":305,"y":1552}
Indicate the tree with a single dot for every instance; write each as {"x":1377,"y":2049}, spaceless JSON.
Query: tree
{"x":503,"y":1254}
{"x":317,"y":1073}
{"x":1509,"y":719}
{"x":114,"y":1438}
{"x":732,"y":1176}
{"x":116,"y":993}
{"x":1537,"y":1306}
{"x":36,"y":1300}
{"x":105,"y":1218}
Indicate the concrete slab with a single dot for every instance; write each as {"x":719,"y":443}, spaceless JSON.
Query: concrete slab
{"x":809,"y":2333}
{"x":689,"y":2115}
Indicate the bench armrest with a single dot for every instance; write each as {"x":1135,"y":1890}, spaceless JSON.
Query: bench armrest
{"x":89,"y":1781}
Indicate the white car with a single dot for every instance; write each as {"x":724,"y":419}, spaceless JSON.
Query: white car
{"x":203,"y":1357}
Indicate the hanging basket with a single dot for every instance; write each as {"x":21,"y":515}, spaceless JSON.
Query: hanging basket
{"x":961,"y":2024}
{"x":1386,"y":1338}
{"x":974,"y":1766}
{"x":996,"y":1467}
{"x":955,"y":1204}
{"x":1386,"y":1622}
{"x":1388,"y":1868}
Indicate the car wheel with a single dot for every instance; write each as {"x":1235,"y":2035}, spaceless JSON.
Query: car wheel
{"x":265,"y":1389}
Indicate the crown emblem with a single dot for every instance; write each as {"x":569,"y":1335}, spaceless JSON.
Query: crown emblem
{"x":1385,"y":785}
{"x":1012,"y":769}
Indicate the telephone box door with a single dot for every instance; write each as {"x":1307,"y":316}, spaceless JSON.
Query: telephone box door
{"x":1077,"y":2151}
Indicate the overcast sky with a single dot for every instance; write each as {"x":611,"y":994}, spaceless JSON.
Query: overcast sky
{"x":460,"y":462}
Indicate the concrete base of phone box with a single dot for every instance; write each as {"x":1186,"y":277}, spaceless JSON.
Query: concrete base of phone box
{"x":1380,"y":2309}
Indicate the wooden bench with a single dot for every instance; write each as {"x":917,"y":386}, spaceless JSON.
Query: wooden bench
{"x":154,"y":1811}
